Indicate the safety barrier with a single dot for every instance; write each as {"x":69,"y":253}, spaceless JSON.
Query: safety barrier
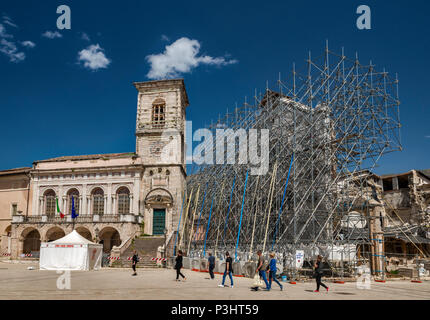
{"x":204,"y":264}
{"x":131,"y":258}
{"x":195,"y":264}
{"x":221,"y":267}
{"x":114,"y":258}
{"x":6,"y":254}
{"x":237,"y":268}
{"x":378,"y":280}
{"x":158,"y":259}
{"x":186,"y":262}
{"x":249,"y":269}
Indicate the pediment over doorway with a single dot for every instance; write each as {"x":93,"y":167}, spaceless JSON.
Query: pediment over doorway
{"x":159,"y":196}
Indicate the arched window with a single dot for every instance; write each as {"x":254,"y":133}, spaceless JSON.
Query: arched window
{"x":98,"y":201}
{"x":158,"y":113}
{"x":73,"y":193}
{"x":123,"y":200}
{"x":50,"y":203}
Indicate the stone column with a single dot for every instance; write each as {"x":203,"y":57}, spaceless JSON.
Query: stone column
{"x":41,"y":206}
{"x":19,"y":248}
{"x":84,"y":201}
{"x":109,"y":198}
{"x":65,"y":204}
{"x":130,"y":204}
{"x":80,"y":205}
{"x":89,"y":205}
{"x":136,"y":190}
{"x":60,"y":198}
{"x":377,"y":212}
{"x":114,"y":211}
{"x":105,"y":200}
{"x":35,"y":196}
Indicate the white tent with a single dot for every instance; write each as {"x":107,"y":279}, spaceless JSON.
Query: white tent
{"x":72,"y":252}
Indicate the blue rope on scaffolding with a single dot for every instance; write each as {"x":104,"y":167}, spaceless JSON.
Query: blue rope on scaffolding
{"x":228,"y":211}
{"x":201,"y":209}
{"x":209,"y":223}
{"x":179,"y":223}
{"x":241,"y":214}
{"x":282,"y":203}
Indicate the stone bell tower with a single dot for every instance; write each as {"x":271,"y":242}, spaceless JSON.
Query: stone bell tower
{"x":160,"y":143}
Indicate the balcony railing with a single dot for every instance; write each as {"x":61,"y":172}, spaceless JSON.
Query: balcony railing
{"x":107,"y":218}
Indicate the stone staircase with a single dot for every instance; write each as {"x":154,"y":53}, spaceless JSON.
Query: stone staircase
{"x":146,"y":248}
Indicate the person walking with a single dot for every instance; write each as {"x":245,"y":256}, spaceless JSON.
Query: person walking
{"x":178,"y":266}
{"x":211,"y":261}
{"x":260,"y":269}
{"x":319,"y":273}
{"x":228,"y":270}
{"x":272,"y":272}
{"x":134,"y":262}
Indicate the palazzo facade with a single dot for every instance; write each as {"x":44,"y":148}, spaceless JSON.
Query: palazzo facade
{"x":117,"y":196}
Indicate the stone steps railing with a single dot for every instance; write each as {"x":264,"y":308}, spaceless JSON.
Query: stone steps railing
{"x":106,"y":218}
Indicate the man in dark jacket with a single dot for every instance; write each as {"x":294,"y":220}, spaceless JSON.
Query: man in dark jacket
{"x":211,"y":261}
{"x":178,"y":266}
{"x":134,"y":262}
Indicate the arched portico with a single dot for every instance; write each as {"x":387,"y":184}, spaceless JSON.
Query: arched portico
{"x":54,"y":233}
{"x":109,"y":237}
{"x":31,"y":240}
{"x":84,"y":232}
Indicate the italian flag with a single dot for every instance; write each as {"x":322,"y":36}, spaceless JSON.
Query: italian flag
{"x":59,"y":211}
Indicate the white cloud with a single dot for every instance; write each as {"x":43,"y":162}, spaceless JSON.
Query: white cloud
{"x":3,"y":33}
{"x":52,"y":34}
{"x":428,"y":137}
{"x":28,"y":44}
{"x":10,"y":50}
{"x":164,"y":37}
{"x":93,"y":58}
{"x":9,"y":21}
{"x":8,"y":46}
{"x":180,"y":57}
{"x":85,"y":37}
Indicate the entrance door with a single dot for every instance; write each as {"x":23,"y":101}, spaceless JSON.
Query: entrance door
{"x":158,"y":221}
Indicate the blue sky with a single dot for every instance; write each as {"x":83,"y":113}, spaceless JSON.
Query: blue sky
{"x":52,"y":104}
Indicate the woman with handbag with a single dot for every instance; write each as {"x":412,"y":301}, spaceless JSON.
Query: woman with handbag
{"x":319,"y":273}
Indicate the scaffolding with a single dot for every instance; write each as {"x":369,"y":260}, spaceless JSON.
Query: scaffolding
{"x":328,"y":127}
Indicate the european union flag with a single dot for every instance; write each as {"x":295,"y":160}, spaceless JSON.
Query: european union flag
{"x":74,"y":214}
